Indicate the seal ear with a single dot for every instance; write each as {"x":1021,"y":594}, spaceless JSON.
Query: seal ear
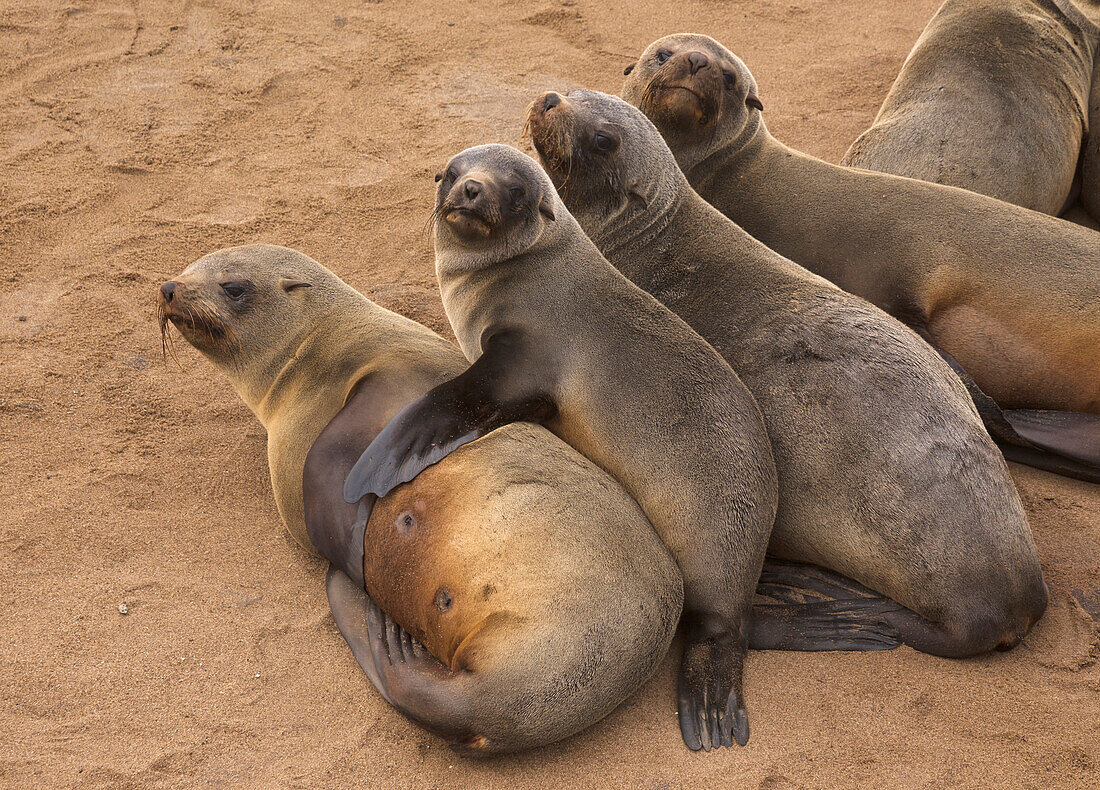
{"x":546,"y":208}
{"x":288,"y":284}
{"x":753,"y":100}
{"x":636,"y":194}
{"x":439,"y":176}
{"x":629,"y":69}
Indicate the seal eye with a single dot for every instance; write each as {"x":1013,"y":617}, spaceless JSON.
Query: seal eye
{"x":729,"y":79}
{"x":662,"y":56}
{"x":604,"y":143}
{"x":234,"y":291}
{"x":517,"y":195}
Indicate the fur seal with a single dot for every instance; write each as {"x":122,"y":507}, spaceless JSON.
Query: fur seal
{"x":1010,"y":297}
{"x":532,"y":594}
{"x":557,"y":336}
{"x":993,"y":98}
{"x":886,"y":474}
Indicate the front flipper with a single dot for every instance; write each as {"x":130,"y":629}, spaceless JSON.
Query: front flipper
{"x":711,"y":701}
{"x":404,"y":672}
{"x":494,"y":391}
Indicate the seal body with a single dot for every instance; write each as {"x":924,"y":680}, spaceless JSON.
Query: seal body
{"x":886,"y":473}
{"x":516,"y":592}
{"x":1010,"y":297}
{"x":557,"y":335}
{"x":993,"y":98}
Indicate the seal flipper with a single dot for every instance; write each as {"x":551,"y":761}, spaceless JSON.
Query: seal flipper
{"x":711,"y":701}
{"x":483,"y":398}
{"x":1066,"y":443}
{"x":1074,"y":435}
{"x":819,"y":610}
{"x":406,"y":675}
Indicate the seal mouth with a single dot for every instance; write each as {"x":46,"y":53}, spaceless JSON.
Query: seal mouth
{"x":467,"y":223}
{"x":677,"y":104}
{"x":549,"y":130}
{"x":196,"y":322}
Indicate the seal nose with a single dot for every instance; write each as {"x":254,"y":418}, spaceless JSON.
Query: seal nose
{"x":168,"y":290}
{"x":472,"y":188}
{"x":551,"y":101}
{"x":698,"y":61}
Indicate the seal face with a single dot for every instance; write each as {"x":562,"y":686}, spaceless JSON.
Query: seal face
{"x":830,"y":373}
{"x":697,"y":93}
{"x":493,"y":600}
{"x":557,"y":336}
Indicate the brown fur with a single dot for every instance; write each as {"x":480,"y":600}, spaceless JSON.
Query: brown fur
{"x":1012,"y":294}
{"x":547,"y":564}
{"x":993,"y":98}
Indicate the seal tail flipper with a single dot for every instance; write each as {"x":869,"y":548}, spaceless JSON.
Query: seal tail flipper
{"x":819,"y":610}
{"x":404,"y":672}
{"x":1072,"y":435}
{"x":1066,"y":443}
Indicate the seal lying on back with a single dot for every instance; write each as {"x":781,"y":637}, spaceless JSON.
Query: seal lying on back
{"x":532,"y":594}
{"x":1011,"y":297}
{"x":556,"y":335}
{"x":994,"y":99}
{"x":885,"y":471}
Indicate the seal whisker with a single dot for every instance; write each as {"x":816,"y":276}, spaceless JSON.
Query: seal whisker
{"x":167,"y":346}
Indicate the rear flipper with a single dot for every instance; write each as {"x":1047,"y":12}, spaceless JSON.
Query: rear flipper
{"x":711,"y":696}
{"x":1072,"y":435}
{"x":819,"y":610}
{"x":822,"y":610}
{"x":404,"y":672}
{"x":1063,"y":442}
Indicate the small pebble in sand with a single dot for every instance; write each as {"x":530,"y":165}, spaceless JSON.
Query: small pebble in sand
{"x":123,"y":609}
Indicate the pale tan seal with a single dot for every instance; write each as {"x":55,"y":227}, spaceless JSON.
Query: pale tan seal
{"x":1010,"y":296}
{"x":885,"y":472}
{"x":993,"y":98}
{"x":540,"y":591}
{"x":556,"y":335}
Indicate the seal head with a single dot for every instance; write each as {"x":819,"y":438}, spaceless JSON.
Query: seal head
{"x":241,"y":322}
{"x":608,"y":162}
{"x":700,"y":95}
{"x":491,"y":204}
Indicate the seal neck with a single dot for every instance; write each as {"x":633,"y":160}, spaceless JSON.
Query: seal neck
{"x":324,"y":345}
{"x":728,"y":160}
{"x":640,"y":222}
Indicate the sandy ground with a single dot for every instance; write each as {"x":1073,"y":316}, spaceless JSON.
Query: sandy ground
{"x":134,"y":139}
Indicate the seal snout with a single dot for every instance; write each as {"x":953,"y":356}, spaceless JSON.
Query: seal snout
{"x":697,"y":61}
{"x":548,"y":123}
{"x":168,"y":291}
{"x":470,"y":207}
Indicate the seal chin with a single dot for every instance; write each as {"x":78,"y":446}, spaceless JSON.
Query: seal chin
{"x":467,"y":224}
